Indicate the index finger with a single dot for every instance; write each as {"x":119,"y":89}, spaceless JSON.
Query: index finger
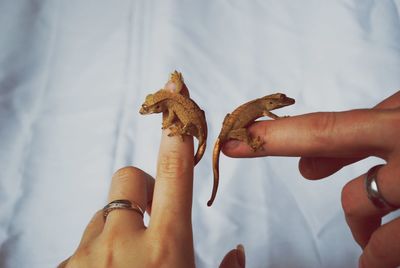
{"x":356,"y":133}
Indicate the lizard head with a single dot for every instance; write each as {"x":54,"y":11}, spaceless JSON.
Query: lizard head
{"x":150,"y":106}
{"x":279,"y":100}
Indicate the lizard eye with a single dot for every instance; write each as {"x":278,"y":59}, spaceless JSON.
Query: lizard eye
{"x":144,"y":106}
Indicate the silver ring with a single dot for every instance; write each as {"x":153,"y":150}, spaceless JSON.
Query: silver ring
{"x":372,"y":188}
{"x":122,"y":204}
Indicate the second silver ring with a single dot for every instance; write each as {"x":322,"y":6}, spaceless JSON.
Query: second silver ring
{"x":371,"y":185}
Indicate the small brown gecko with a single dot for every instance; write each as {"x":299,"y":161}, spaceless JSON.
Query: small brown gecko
{"x":235,"y":127}
{"x":180,"y":113}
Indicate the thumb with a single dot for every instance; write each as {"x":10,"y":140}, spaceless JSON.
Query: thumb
{"x":234,"y":258}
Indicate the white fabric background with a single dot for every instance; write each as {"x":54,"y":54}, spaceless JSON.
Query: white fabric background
{"x":74,"y":73}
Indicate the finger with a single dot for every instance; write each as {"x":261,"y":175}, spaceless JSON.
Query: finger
{"x":93,"y":229}
{"x":132,"y":184}
{"x":314,"y":168}
{"x":362,"y":216}
{"x":383,"y":248}
{"x":320,"y":167}
{"x":390,"y":102}
{"x":64,"y":263}
{"x":328,"y":134}
{"x":234,"y":258}
{"x":172,"y":199}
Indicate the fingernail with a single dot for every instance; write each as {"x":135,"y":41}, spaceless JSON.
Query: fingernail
{"x":171,"y":86}
{"x":232,"y":144}
{"x":241,"y":257}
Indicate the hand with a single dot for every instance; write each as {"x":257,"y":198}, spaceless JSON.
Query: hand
{"x":326,"y":142}
{"x":124,"y":241}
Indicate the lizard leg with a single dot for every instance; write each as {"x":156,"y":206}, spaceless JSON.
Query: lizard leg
{"x":188,"y":129}
{"x":169,"y":119}
{"x":242,"y":134}
{"x":269,"y":114}
{"x":272,"y":115}
{"x":177,"y":129}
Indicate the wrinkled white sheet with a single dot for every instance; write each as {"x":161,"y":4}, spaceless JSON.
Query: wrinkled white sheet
{"x":72,"y":77}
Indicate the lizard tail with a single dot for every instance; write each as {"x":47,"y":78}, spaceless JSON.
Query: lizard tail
{"x":200,"y":152}
{"x":216,"y":152}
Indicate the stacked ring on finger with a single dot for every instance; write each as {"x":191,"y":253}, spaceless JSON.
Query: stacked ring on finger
{"x":122,"y":204}
{"x":371,"y":185}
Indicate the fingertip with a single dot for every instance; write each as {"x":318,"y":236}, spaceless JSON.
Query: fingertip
{"x":170,"y":141}
{"x":170,"y":86}
{"x":308,"y":168}
{"x":315,"y":168}
{"x":241,"y":256}
{"x":126,"y":175}
{"x":234,"y":258}
{"x":238,"y":149}
{"x":231,"y":148}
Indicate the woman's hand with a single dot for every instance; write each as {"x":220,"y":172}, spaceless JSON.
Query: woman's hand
{"x":326,"y":142}
{"x":122,"y":240}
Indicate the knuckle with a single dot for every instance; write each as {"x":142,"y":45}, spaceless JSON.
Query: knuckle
{"x":171,"y":165}
{"x":391,"y":126}
{"x":324,"y":126}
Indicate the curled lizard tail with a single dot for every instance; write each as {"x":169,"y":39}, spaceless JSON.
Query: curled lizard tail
{"x":216,"y":152}
{"x":200,"y":152}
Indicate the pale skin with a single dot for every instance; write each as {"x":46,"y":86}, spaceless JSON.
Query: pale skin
{"x":124,"y":241}
{"x":328,"y":141}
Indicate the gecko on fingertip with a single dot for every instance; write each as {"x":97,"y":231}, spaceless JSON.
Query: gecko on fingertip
{"x":180,"y":113}
{"x":235,"y":127}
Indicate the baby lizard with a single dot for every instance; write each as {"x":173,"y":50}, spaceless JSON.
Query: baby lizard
{"x":235,"y":127}
{"x":180,"y":113}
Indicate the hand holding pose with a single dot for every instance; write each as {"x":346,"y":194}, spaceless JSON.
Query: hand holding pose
{"x":326,"y":142}
{"x":120,"y":239}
